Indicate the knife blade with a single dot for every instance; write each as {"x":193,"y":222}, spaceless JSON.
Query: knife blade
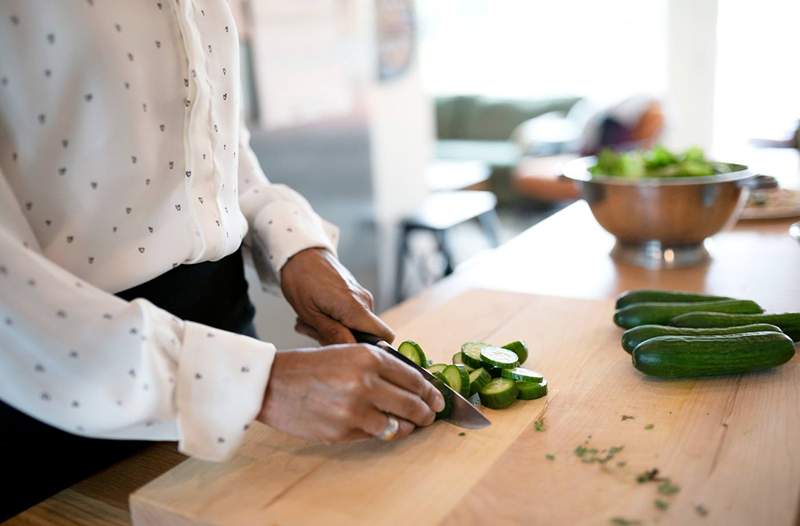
{"x":464,"y":414}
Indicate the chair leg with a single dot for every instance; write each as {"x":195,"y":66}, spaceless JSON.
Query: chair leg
{"x":402,"y":253}
{"x":491,"y":227}
{"x":444,"y":248}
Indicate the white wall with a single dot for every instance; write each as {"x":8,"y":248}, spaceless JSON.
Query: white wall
{"x":691,"y":71}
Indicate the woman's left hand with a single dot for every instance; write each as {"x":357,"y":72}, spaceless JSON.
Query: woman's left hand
{"x":328,"y":300}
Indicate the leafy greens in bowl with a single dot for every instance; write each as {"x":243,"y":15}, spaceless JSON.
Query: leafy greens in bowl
{"x":656,"y":163}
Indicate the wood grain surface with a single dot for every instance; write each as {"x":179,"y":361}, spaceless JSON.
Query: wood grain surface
{"x":726,"y":443}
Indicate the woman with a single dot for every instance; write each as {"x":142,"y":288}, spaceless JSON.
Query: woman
{"x":127,"y":188}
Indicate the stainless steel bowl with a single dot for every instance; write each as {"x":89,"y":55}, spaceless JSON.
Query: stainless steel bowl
{"x":663,"y":223}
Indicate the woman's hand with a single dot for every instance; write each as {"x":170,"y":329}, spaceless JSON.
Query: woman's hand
{"x":328,"y":300}
{"x":344,"y":392}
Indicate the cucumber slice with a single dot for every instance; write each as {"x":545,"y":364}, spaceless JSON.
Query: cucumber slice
{"x":412,"y":351}
{"x":446,"y":394}
{"x":477,"y":379}
{"x":437,"y":367}
{"x":494,"y":372}
{"x":532,"y":390}
{"x":499,"y":357}
{"x":520,"y":374}
{"x":519,"y":348}
{"x":458,"y":359}
{"x":457,"y":378}
{"x":471,"y":354}
{"x":499,"y":393}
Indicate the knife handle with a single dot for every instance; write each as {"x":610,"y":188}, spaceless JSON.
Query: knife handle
{"x":363,"y":337}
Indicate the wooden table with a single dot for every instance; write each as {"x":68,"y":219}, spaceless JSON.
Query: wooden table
{"x":564,"y":256}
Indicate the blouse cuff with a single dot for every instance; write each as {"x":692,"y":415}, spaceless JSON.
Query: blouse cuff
{"x":222,"y":378}
{"x":281,"y":230}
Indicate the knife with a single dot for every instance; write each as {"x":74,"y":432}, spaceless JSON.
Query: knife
{"x":464,"y":414}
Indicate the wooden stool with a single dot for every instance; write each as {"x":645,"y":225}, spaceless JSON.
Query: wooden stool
{"x":439,"y":213}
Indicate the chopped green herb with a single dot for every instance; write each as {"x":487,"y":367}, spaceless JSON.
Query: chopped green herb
{"x":539,"y":425}
{"x":668,"y":488}
{"x":701,"y":510}
{"x":621,"y":521}
{"x":550,"y":456}
{"x":591,"y":455}
{"x":647,"y":476}
{"x":649,"y":427}
{"x":627,"y":417}
{"x":661,"y":504}
{"x":461,"y":434}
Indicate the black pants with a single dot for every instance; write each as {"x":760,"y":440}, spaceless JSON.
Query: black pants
{"x":39,"y":460}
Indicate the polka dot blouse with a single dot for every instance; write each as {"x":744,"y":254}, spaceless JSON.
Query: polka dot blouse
{"x":122,"y":155}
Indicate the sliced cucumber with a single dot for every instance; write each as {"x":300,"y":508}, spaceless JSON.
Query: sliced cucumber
{"x":458,"y":359}
{"x":494,"y":372}
{"x":521,"y":374}
{"x":499,"y":393}
{"x":437,"y":367}
{"x":412,"y":351}
{"x":471,"y":353}
{"x":519,"y":348}
{"x":458,"y":378}
{"x":446,"y":394}
{"x":499,"y":357}
{"x":477,"y":379}
{"x":532,"y":390}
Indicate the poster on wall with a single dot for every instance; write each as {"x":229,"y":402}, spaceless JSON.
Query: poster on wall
{"x":396,"y":37}
{"x":300,"y":60}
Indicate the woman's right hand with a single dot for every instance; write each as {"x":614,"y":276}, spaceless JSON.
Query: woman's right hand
{"x":344,"y":392}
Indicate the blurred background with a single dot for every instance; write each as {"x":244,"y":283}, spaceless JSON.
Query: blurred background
{"x":431,"y":131}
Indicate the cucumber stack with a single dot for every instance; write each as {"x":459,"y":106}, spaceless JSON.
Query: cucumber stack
{"x":680,"y":334}
{"x":493,"y":373}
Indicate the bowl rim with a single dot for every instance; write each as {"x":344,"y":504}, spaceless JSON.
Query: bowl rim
{"x":578,"y":170}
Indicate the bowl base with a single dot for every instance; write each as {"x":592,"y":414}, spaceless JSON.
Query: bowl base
{"x":655,"y":256}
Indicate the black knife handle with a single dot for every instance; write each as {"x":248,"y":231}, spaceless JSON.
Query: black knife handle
{"x":363,"y":337}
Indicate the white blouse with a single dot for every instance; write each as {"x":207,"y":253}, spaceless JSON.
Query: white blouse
{"x":121,"y":157}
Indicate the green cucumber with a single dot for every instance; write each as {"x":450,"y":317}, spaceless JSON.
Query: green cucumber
{"x":458,"y":359}
{"x":412,"y":351}
{"x":519,"y":348}
{"x":789,"y":322}
{"x":663,"y":296}
{"x":437,"y":367}
{"x":499,"y":357}
{"x":477,"y":379}
{"x":521,"y":374}
{"x":447,"y":394}
{"x":499,"y":393}
{"x":633,"y":337}
{"x":687,"y":356}
{"x":661,"y":313}
{"x":532,"y":390}
{"x":471,"y":354}
{"x":457,"y":378}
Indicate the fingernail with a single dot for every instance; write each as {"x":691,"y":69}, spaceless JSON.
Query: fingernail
{"x":438,"y":402}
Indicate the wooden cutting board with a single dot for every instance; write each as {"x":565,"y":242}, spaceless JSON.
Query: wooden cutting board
{"x":729,"y":444}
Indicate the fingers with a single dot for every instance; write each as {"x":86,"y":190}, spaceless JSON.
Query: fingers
{"x":374,"y":422}
{"x":364,"y":320}
{"x":391,"y":399}
{"x":305,"y":329}
{"x":405,"y":377}
{"x":330,"y":332}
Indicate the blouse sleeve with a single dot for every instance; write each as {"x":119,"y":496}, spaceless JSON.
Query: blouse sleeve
{"x":282,"y":222}
{"x":87,"y":362}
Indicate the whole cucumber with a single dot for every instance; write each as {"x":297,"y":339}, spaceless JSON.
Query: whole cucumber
{"x":633,"y":337}
{"x":663,"y":296}
{"x":789,"y":322}
{"x":688,"y":356}
{"x":661,"y":313}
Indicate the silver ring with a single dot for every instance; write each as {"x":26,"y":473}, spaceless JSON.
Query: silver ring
{"x":391,"y":429}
